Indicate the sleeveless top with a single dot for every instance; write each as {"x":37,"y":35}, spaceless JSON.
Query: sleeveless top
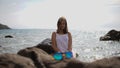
{"x":62,"y":42}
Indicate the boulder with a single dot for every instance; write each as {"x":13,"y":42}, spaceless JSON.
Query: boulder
{"x":8,"y":36}
{"x":46,"y":48}
{"x":41,"y":55}
{"x":111,"y":35}
{"x":15,"y":61}
{"x":112,"y":62}
{"x":47,"y":41}
{"x":46,"y":45}
{"x":37,"y":55}
{"x":44,"y":60}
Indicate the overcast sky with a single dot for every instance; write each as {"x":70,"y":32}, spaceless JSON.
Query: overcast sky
{"x":80,"y":14}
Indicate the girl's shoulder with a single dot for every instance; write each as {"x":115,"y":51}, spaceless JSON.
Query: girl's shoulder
{"x":69,"y":33}
{"x":53,"y":33}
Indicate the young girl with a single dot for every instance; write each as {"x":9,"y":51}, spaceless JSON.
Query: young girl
{"x":62,"y":39}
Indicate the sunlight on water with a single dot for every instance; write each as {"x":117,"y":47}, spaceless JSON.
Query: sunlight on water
{"x":85,"y":43}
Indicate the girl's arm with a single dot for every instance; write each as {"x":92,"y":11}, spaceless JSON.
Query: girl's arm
{"x":54,"y":46}
{"x":69,"y":42}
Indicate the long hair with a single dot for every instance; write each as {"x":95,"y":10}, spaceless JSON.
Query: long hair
{"x":65,"y":30}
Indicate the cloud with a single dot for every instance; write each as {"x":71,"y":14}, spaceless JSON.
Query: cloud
{"x":11,"y":6}
{"x":44,"y":14}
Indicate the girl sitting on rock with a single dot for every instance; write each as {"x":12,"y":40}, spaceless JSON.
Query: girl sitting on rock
{"x":62,"y":39}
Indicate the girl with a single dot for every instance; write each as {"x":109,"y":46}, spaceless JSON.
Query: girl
{"x":62,"y":39}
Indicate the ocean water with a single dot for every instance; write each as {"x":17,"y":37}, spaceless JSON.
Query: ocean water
{"x":85,"y":43}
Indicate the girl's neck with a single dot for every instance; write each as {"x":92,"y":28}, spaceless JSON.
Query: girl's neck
{"x":60,"y":32}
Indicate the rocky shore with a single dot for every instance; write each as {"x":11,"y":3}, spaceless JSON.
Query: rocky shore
{"x":4,"y":26}
{"x":39,"y":56}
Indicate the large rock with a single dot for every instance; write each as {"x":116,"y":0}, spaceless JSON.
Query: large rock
{"x":47,"y":41}
{"x":44,"y":60}
{"x":46,"y":48}
{"x":15,"y":61}
{"x":113,"y":62}
{"x":111,"y":35}
{"x":4,"y":26}
{"x":46,"y":45}
{"x":37,"y":55}
{"x":41,"y":55}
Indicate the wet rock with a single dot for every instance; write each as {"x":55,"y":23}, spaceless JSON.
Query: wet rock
{"x":113,"y":35}
{"x":8,"y":36}
{"x":15,"y":61}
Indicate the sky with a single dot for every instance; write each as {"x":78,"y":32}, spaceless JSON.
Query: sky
{"x":44,"y":14}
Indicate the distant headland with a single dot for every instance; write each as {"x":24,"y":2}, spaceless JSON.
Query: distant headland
{"x":4,"y":26}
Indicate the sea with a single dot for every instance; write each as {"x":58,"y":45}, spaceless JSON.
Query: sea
{"x":84,"y":42}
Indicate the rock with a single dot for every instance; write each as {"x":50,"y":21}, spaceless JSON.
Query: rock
{"x":113,"y":35}
{"x":15,"y":61}
{"x":66,"y":63}
{"x":47,"y":41}
{"x":113,"y":62}
{"x":41,"y":55}
{"x":4,"y":26}
{"x":44,"y":60}
{"x":46,"y":48}
{"x":46,"y":45}
{"x":37,"y":55}
{"x":8,"y":36}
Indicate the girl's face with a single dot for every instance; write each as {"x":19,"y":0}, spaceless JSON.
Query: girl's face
{"x":62,"y":25}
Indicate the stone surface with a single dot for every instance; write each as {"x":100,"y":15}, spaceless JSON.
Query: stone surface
{"x":113,"y":35}
{"x":15,"y":61}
